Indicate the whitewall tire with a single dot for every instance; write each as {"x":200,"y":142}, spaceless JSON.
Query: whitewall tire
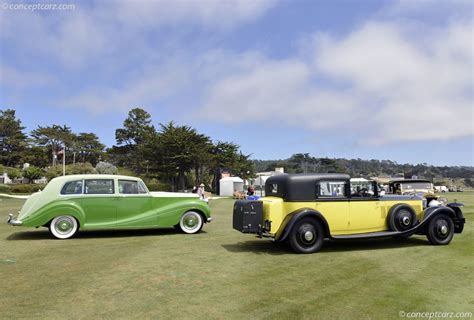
{"x":63,"y":227}
{"x":191,"y":222}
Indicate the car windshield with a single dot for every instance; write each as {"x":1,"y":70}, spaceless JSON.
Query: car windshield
{"x":416,"y":185}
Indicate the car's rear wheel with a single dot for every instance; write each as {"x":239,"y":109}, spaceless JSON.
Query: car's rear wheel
{"x":63,"y":227}
{"x":402,"y":218}
{"x":307,"y":236}
{"x":191,"y":222}
{"x":440,"y":230}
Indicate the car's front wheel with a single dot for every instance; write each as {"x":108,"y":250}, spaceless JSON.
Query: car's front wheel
{"x":63,"y":227}
{"x":307,"y":236}
{"x":191,"y":222}
{"x":440,"y":230}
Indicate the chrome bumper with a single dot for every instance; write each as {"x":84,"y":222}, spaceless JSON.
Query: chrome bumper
{"x":13,"y":221}
{"x":209,"y":219}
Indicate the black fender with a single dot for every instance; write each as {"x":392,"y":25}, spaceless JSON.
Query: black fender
{"x":299,"y":214}
{"x":420,"y":228}
{"x":453,"y":212}
{"x":459,"y":222}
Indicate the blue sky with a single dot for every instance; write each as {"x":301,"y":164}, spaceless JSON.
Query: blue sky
{"x":355,"y":79}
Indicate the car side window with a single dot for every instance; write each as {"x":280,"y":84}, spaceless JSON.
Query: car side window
{"x":142,"y":188}
{"x":332,"y":189}
{"x":130,"y":187}
{"x":99,"y":186}
{"x":72,"y":187}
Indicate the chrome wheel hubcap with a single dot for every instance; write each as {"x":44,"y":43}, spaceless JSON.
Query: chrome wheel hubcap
{"x":190,"y":222}
{"x":308,"y":236}
{"x":444,"y":230}
{"x":64,"y":226}
{"x":406,"y":221}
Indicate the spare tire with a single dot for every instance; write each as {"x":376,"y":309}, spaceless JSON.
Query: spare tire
{"x":401,"y":217}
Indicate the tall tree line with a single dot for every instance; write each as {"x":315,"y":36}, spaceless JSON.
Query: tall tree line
{"x":305,"y":163}
{"x":41,"y":147}
{"x":176,"y":154}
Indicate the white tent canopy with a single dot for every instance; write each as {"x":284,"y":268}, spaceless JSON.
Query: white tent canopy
{"x":230,"y":184}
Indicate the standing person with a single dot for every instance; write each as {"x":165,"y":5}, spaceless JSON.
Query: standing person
{"x":250,"y":191}
{"x":200,"y":191}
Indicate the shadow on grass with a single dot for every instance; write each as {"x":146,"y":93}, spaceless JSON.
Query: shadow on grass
{"x":259,"y":247}
{"x":44,"y":234}
{"x":372,"y":244}
{"x":269,"y":247}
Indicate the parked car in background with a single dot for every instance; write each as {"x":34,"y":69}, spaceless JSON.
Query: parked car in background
{"x":89,"y":202}
{"x":441,"y":189}
{"x":410,"y":186}
{"x":307,"y":208}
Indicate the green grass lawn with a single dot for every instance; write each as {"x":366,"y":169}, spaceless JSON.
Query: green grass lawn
{"x":221,"y":273}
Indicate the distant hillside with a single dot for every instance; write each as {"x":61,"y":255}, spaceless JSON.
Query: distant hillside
{"x":304,"y":163}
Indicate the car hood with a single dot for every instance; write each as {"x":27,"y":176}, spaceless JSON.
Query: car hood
{"x":397,"y":197}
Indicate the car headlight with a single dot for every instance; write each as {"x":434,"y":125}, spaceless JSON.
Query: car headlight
{"x":438,"y":202}
{"x":434,"y":203}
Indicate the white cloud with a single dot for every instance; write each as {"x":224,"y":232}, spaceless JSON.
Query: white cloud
{"x":177,"y":76}
{"x":148,"y":88}
{"x":437,"y":9}
{"x":379,"y":76}
{"x":76,"y":38}
{"x":418,"y":85}
{"x":19,"y":79}
{"x":108,"y":37}
{"x":256,"y":91}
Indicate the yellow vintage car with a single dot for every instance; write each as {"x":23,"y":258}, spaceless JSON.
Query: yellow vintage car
{"x":307,"y":208}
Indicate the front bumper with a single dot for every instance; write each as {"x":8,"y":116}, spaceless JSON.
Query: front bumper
{"x":12,"y":221}
{"x":209,"y":219}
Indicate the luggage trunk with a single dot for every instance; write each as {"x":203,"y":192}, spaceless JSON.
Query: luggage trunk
{"x":247,"y":216}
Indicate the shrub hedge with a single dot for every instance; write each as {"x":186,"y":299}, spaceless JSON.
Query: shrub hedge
{"x":25,"y":188}
{"x":4,"y":188}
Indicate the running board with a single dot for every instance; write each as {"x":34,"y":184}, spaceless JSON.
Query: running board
{"x":369,"y":235}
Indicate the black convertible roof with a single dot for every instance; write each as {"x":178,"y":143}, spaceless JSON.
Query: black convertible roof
{"x":298,"y":187}
{"x":302,"y":177}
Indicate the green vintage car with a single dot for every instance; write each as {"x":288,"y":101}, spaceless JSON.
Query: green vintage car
{"x":90,"y":202}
